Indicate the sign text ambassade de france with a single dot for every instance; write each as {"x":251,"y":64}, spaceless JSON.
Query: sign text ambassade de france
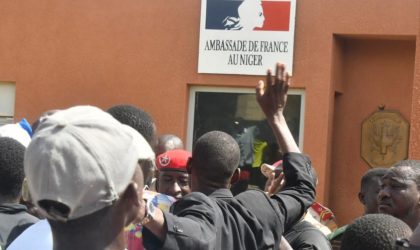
{"x":245,"y":36}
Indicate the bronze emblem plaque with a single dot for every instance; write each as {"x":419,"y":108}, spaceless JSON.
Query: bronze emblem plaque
{"x":385,"y":137}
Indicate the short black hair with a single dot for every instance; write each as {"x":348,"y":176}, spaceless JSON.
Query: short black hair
{"x":370,"y":175}
{"x":12,"y":174}
{"x":136,"y":118}
{"x":374,"y":232}
{"x":415,"y":167}
{"x":216,"y":156}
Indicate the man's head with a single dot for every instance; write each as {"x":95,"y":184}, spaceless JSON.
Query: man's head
{"x":369,"y":189}
{"x":399,"y":195}
{"x":11,"y":169}
{"x":168,"y":142}
{"x":81,"y":165}
{"x":173,"y":176}
{"x":215,"y":158}
{"x":138,"y":119}
{"x":374,"y":232}
{"x":143,"y":123}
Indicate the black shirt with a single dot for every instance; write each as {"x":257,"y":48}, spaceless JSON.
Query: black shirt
{"x":305,"y":236}
{"x":251,"y":220}
{"x":14,"y":219}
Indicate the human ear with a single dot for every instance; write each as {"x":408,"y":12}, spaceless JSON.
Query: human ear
{"x":130,"y":202}
{"x":235,"y":177}
{"x":362,"y":198}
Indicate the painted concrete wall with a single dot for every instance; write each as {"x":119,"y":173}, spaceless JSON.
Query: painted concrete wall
{"x":375,"y":72}
{"x":63,"y":53}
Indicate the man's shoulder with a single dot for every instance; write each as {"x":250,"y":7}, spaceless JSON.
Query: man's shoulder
{"x":252,"y":195}
{"x":195,"y":196}
{"x":191,"y":199}
{"x":37,"y":236}
{"x":258,"y":202}
{"x":29,"y":218}
{"x":18,"y":213}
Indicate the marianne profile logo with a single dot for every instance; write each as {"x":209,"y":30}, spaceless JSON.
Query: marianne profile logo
{"x":248,"y":15}
{"x":245,"y":37}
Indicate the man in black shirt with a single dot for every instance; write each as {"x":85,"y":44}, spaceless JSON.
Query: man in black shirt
{"x":14,"y":217}
{"x":210,"y":217}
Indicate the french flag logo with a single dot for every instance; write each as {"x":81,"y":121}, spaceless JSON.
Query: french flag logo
{"x":250,"y":15}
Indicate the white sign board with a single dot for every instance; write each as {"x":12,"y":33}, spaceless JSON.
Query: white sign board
{"x":246,"y":36}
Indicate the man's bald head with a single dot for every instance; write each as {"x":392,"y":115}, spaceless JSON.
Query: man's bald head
{"x":168,"y":142}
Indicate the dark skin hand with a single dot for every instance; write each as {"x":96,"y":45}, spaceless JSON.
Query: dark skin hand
{"x":272,"y":97}
{"x":274,"y":184}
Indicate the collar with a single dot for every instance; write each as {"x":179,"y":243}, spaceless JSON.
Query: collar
{"x":221,"y":193}
{"x":12,"y":208}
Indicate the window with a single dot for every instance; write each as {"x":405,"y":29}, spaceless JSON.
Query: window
{"x":236,"y":112}
{"x":7,"y":102}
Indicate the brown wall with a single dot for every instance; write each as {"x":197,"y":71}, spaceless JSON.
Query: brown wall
{"x":414,"y":147}
{"x":374,"y":72}
{"x":62,"y":53}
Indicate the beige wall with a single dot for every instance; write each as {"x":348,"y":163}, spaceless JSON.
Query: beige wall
{"x":62,"y":53}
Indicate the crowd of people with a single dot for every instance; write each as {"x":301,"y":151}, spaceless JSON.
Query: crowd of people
{"x":85,"y":178}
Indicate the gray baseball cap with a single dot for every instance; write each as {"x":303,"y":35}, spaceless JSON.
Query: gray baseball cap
{"x":82,"y":158}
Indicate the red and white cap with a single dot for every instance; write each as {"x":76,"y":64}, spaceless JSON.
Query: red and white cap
{"x":176,"y":159}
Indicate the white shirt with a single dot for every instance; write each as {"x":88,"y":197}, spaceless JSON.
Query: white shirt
{"x":36,"y":237}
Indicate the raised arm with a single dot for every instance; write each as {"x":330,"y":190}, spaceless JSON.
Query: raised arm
{"x":299,"y":191}
{"x":272,"y":97}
